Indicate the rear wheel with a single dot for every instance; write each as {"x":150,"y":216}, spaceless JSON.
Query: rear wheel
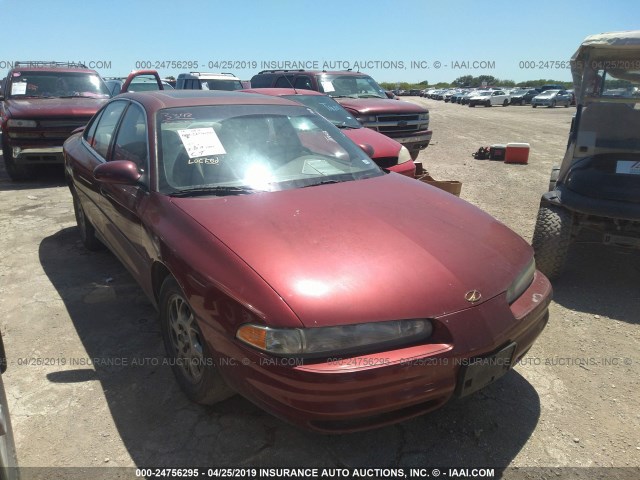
{"x":16,"y":172}
{"x":87,"y":231}
{"x":192,"y":364}
{"x":533,"y":105}
{"x":505,"y":103}
{"x":488,"y":103}
{"x":552,"y":104}
{"x":551,"y":239}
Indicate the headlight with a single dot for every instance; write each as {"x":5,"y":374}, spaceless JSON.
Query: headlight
{"x":366,"y":119}
{"x":522,"y":282}
{"x":403,"y":155}
{"x":423,"y":116}
{"x":21,"y":123}
{"x":338,"y":340}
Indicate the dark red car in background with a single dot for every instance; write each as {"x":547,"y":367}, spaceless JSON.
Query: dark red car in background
{"x":386,"y":152}
{"x":286,"y":266}
{"x":40,"y":105}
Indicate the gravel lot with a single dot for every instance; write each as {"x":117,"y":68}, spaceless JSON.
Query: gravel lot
{"x":572,"y":402}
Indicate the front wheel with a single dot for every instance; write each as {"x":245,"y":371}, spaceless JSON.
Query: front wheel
{"x":552,"y":104}
{"x":533,"y":105}
{"x":192,"y":364}
{"x":505,"y":103}
{"x":488,"y":104}
{"x":551,"y":239}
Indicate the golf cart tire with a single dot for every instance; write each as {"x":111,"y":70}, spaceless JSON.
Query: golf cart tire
{"x":551,"y":239}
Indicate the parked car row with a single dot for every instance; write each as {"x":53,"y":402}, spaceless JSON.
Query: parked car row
{"x":548,"y":95}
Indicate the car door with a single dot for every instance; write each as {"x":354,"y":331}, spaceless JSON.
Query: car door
{"x":124,"y":205}
{"x":94,"y":147}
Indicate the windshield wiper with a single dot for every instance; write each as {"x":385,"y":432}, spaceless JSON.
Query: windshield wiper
{"x":323,"y":182}
{"x":344,"y":125}
{"x":343,"y":96}
{"x":218,"y":191}
{"x":369,"y":95}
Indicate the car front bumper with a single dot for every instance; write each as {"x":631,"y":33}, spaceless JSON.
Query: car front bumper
{"x":358,"y":393}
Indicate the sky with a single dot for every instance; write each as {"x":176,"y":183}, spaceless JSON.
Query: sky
{"x":410,"y":41}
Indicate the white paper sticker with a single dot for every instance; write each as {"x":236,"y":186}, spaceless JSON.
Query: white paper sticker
{"x":327,"y":86}
{"x":18,"y":88}
{"x":201,"y":142}
{"x":628,"y":166}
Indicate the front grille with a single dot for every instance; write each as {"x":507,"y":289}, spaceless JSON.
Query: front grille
{"x":398,"y":118}
{"x":50,"y":132}
{"x":65,"y":123}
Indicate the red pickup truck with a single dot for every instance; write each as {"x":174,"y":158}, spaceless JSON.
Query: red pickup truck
{"x":405,"y":122}
{"x":41,"y":103}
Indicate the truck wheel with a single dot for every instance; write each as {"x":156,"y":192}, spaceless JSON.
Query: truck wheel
{"x":551,"y":239}
{"x":16,"y":172}
{"x":192,"y":364}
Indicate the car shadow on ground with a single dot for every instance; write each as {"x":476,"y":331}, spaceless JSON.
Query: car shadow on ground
{"x":601,"y":280}
{"x":45,"y":176}
{"x":160,"y":427}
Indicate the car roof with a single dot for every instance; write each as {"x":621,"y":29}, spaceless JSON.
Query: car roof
{"x":313,"y":72}
{"x":53,"y":70}
{"x":159,"y":99}
{"x":277,"y":92}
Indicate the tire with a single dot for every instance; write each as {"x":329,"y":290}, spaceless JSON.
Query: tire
{"x":192,"y":364}
{"x":566,"y":105}
{"x":552,"y":104}
{"x":505,"y":103}
{"x":488,"y":104}
{"x":551,"y":239}
{"x":472,"y":104}
{"x":16,"y":172}
{"x":554,"y":178}
{"x":533,"y":106}
{"x":87,"y":231}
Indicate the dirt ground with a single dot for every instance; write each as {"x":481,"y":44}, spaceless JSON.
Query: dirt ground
{"x":573,"y":402}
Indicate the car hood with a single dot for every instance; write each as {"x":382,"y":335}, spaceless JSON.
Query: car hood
{"x":372,"y":106}
{"x":380,"y":249}
{"x":383,"y":146}
{"x":53,"y":107}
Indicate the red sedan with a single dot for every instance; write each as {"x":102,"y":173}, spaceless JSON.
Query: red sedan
{"x":383,"y":150}
{"x":286,"y":267}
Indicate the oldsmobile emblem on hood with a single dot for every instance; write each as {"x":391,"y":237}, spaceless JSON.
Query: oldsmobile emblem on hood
{"x":472,"y":296}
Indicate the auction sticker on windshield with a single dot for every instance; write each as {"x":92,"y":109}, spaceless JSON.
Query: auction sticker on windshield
{"x":327,"y":86}
{"x":201,"y":142}
{"x":628,"y":167}
{"x":19,"y":88}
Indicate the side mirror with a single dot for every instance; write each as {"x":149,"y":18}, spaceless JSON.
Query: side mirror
{"x":368,"y":149}
{"x":121,"y":172}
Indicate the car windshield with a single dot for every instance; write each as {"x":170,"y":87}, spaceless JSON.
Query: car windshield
{"x":328,"y":108}
{"x":483,"y":94}
{"x":354,"y":86}
{"x":57,"y":85}
{"x":231,"y":149}
{"x":221,"y":84}
{"x":549,"y":93}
